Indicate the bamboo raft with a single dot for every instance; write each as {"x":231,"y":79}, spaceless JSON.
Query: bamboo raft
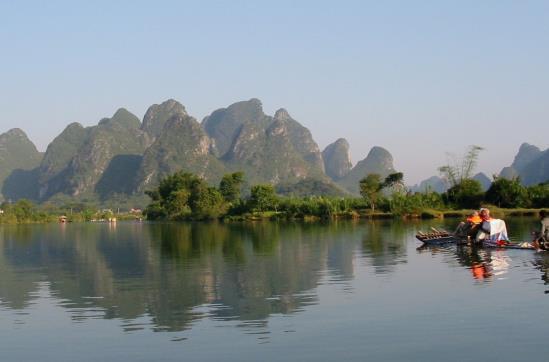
{"x":436,"y":236}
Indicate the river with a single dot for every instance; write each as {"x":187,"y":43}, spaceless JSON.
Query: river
{"x":346,"y":290}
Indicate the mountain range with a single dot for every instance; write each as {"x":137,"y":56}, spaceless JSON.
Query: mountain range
{"x":122,"y":156}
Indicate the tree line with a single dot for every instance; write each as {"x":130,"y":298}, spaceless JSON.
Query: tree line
{"x":185,"y":196}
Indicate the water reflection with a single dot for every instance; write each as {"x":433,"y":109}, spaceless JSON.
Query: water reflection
{"x":175,"y":274}
{"x":385,"y":243}
{"x":541,"y":263}
{"x":166,"y":277}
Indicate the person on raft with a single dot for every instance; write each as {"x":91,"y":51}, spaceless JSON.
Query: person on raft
{"x":541,"y":238}
{"x":469,"y":227}
{"x":484,"y":227}
{"x":491,"y":231}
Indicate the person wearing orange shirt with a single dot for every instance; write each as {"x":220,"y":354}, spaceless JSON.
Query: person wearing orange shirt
{"x":470,"y":227}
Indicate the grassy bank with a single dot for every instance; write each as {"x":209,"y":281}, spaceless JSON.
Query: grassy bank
{"x":501,"y":213}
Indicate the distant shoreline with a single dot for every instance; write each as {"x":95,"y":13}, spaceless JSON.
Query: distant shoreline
{"x":280,"y":216}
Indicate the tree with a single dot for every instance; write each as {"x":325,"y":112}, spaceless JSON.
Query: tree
{"x":507,"y":193}
{"x":457,"y":171}
{"x":208,"y":204}
{"x":183,"y":195}
{"x":263,"y":198}
{"x":231,"y":185}
{"x":539,"y":195}
{"x":370,"y":189}
{"x":177,"y":204}
{"x":394,"y":181}
{"x":467,"y":194}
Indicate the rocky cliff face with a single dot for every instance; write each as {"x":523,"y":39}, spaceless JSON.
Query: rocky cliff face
{"x":182,"y":145}
{"x":530,"y":164}
{"x":17,"y":152}
{"x":526,"y":154}
{"x":275,"y":149}
{"x":537,"y":171}
{"x":337,"y":159}
{"x":59,"y":154}
{"x":379,"y":161}
{"x":85,"y":154}
{"x":224,"y":124}
{"x":158,"y":114}
{"x":301,"y":139}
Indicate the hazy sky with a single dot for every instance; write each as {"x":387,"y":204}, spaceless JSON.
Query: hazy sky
{"x":418,"y":78}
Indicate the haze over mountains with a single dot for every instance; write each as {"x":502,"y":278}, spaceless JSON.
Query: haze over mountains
{"x":121,"y":156}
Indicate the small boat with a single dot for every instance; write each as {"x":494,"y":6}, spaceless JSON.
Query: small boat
{"x":439,"y":237}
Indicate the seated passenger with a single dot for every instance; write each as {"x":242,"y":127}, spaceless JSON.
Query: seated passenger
{"x":484,"y":229}
{"x":541,"y":239}
{"x":469,"y":227}
{"x":492,"y":231}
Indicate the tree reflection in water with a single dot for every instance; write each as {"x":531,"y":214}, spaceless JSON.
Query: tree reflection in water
{"x":165,"y":277}
{"x":175,"y":274}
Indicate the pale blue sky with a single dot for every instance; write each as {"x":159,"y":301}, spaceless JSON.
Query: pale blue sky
{"x":418,"y":78}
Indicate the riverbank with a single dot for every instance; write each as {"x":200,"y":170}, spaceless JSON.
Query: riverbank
{"x":367,"y":214}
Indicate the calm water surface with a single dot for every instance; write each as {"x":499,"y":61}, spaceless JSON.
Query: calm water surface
{"x":267,"y":291}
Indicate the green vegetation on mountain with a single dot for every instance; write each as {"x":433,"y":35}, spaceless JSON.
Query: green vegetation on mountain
{"x":301,"y":139}
{"x":268,"y":149}
{"x":58,"y":155}
{"x":158,"y":114}
{"x":120,"y":157}
{"x":21,"y":184}
{"x":224,"y":124}
{"x":17,"y":153}
{"x":182,"y":145}
{"x":77,"y":161}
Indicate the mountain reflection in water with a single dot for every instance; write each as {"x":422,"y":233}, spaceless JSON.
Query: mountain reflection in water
{"x":165,"y":277}
{"x":178,"y":273}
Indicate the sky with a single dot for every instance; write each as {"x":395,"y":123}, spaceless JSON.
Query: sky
{"x":421,"y":79}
